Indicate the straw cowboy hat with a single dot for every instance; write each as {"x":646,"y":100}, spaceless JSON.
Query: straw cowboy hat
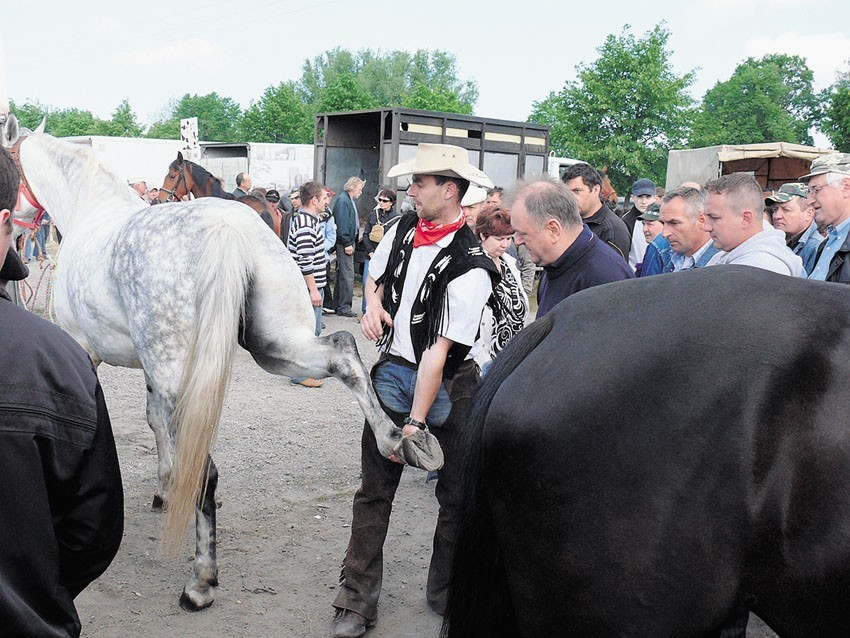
{"x":474,"y":195}
{"x":441,"y":159}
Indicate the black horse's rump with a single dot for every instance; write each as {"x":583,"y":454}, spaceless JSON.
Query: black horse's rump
{"x":657,"y":453}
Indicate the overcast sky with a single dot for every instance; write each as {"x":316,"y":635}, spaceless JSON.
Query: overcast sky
{"x":92,"y":54}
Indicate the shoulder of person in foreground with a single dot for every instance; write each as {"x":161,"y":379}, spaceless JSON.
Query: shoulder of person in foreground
{"x":59,"y":405}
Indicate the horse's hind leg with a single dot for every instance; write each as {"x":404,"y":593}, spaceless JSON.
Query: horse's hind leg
{"x":158,"y":413}
{"x":200,"y":590}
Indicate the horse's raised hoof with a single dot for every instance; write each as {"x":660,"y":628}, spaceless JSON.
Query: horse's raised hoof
{"x":196,"y":602}
{"x":157,"y":504}
{"x":422,"y":450}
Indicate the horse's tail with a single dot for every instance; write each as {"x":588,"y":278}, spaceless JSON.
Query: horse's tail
{"x":224,"y":274}
{"x":479,"y":599}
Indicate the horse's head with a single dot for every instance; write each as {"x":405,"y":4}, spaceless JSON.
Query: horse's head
{"x":178,"y":181}
{"x":28,"y":211}
{"x":607,"y":193}
{"x":11,"y":131}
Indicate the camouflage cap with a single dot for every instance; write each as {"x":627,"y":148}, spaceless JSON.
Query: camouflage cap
{"x":786,"y":192}
{"x":832,"y":163}
{"x":651,"y":214}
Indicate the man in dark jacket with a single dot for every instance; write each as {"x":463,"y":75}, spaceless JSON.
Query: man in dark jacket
{"x":61,"y":506}
{"x":585,"y":182}
{"x":829,"y":193}
{"x":347,"y":231}
{"x":545,"y":216}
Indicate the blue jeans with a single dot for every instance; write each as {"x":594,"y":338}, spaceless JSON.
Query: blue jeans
{"x":395,"y":385}
{"x":318,"y":311}
{"x":365,"y":274}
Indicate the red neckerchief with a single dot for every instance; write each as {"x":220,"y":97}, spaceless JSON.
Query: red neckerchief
{"x":428,"y":233}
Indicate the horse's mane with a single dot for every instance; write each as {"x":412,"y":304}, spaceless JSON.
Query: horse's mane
{"x":95,"y":179}
{"x":201,"y":176}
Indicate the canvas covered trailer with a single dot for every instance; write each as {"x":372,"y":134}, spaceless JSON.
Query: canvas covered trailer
{"x":367,"y":144}
{"x":771,"y":164}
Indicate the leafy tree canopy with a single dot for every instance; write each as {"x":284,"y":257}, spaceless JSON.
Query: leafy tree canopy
{"x":218,"y":118}
{"x":388,"y":78}
{"x":766,"y":100}
{"x":122,"y":124}
{"x":836,"y":122}
{"x":280,"y":116}
{"x":625,"y":110}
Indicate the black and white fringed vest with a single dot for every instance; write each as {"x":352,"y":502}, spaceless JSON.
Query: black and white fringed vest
{"x":426,"y":317}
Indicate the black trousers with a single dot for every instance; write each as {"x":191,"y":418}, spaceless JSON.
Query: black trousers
{"x":362,"y":569}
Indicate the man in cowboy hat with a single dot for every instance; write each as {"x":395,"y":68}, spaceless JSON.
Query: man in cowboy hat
{"x":62,"y":506}
{"x":428,"y":282}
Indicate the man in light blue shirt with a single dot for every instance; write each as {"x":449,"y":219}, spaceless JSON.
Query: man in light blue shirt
{"x":829,"y":194}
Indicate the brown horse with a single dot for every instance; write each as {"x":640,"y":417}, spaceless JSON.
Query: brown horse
{"x":187,"y":177}
{"x":608,"y":194}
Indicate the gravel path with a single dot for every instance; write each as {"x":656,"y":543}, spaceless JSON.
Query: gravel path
{"x":288,"y":459}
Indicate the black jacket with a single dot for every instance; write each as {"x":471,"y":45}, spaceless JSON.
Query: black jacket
{"x":629,"y":218}
{"x":839,"y":265}
{"x":586,"y":263}
{"x":375,"y":216}
{"x":605,"y":224}
{"x":61,"y":502}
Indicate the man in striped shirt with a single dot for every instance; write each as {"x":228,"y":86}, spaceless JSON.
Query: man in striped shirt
{"x":306,"y":243}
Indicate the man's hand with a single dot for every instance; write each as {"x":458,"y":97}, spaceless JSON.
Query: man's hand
{"x":349,"y":250}
{"x":315,"y":298}
{"x":407,"y":430}
{"x":372,"y":323}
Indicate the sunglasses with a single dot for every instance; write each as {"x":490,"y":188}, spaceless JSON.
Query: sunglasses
{"x":384,"y":200}
{"x":272,"y":199}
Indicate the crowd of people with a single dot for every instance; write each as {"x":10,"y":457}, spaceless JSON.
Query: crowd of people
{"x":446,"y":286}
{"x":441,"y":301}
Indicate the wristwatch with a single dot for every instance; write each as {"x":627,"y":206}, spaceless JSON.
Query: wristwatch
{"x":410,"y":421}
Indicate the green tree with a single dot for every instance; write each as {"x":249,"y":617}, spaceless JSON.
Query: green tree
{"x":280,"y":115}
{"x":67,"y":122}
{"x":164,"y":130}
{"x":836,"y":122}
{"x":435,"y":99}
{"x":218,"y":117}
{"x":122,"y":124}
{"x":766,"y":100}
{"x":344,"y":94}
{"x":58,"y":122}
{"x":29,"y":114}
{"x":438,"y":71}
{"x":625,"y":111}
{"x":388,"y":78}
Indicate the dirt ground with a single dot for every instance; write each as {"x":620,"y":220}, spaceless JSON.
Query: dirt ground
{"x":288,"y":459}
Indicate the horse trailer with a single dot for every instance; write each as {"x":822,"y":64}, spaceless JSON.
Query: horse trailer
{"x":367,"y":144}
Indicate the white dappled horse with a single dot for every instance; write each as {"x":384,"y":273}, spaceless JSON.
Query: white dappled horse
{"x":172,"y":289}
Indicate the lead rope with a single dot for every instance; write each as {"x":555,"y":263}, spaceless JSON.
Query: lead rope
{"x":49,"y":306}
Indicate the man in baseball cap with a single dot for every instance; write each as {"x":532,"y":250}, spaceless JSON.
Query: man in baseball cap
{"x":795,"y":217}
{"x":829,"y":193}
{"x":428,"y":282}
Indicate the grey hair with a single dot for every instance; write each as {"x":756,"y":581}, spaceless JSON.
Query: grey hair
{"x":693,"y":198}
{"x":836,"y":180}
{"x":742,"y":191}
{"x":352,"y":183}
{"x":545,"y":198}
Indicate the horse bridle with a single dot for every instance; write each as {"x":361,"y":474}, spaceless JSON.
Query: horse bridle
{"x":181,"y":179}
{"x":24,"y":188}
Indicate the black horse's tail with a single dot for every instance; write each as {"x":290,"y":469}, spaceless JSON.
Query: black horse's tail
{"x":479,"y":600}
